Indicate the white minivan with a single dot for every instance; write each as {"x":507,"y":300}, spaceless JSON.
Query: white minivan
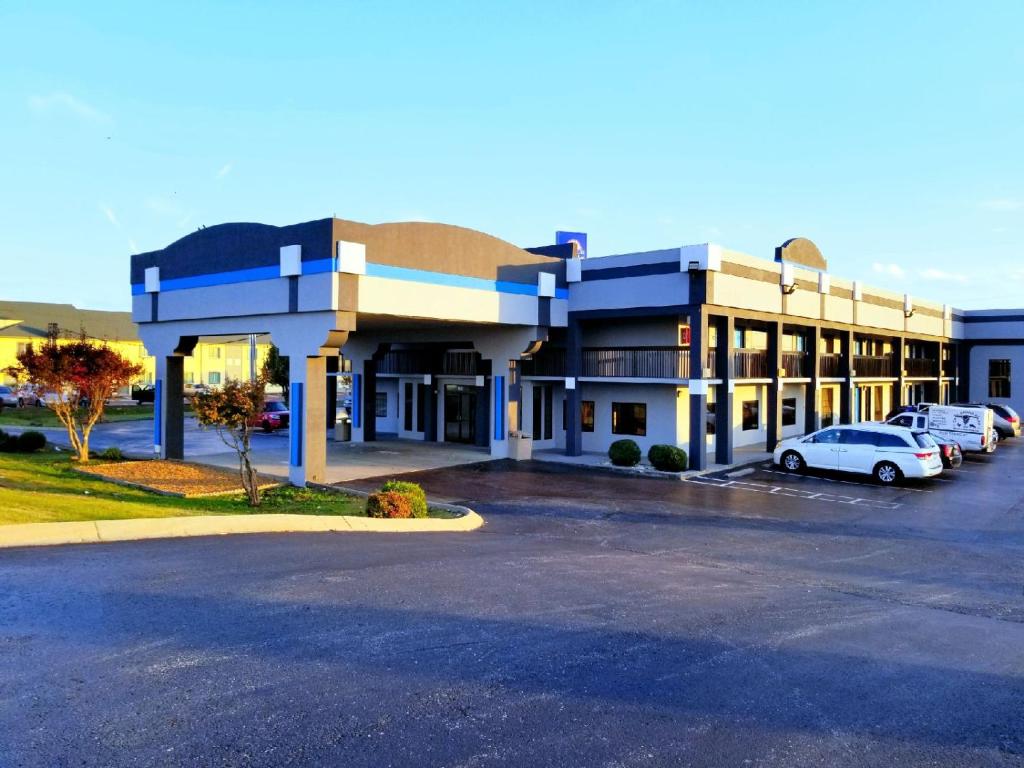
{"x":887,"y":453}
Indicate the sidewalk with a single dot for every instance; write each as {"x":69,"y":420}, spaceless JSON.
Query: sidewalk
{"x":742,"y":457}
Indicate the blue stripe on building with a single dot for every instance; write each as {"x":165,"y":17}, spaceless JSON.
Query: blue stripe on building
{"x":322,"y":266}
{"x":158,"y":412}
{"x":296,"y":423}
{"x":499,"y":407}
{"x":357,"y":400}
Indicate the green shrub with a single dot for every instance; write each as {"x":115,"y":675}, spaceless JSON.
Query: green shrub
{"x":391,"y":504}
{"x":417,"y":497}
{"x":624,"y":453}
{"x":31,"y":441}
{"x":113,"y":453}
{"x":667,"y":458}
{"x":8,"y":443}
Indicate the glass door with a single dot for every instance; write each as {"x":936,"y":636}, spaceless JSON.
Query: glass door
{"x":459,"y":414}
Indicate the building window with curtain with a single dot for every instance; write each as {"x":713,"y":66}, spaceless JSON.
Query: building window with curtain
{"x":998,"y":378}
{"x":629,"y":419}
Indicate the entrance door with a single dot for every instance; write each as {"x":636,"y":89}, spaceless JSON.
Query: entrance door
{"x":459,"y":414}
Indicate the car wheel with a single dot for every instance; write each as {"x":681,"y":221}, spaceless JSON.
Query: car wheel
{"x":266,"y":426}
{"x":793,"y":461}
{"x":887,"y":473}
{"x":21,"y":403}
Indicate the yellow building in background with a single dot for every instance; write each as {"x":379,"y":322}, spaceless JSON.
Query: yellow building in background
{"x":214,"y":361}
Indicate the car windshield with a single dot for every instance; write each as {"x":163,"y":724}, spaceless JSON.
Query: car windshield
{"x":5,"y":390}
{"x":924,"y":440}
{"x":275,"y":407}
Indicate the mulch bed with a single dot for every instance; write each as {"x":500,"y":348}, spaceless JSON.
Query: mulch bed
{"x":171,"y":478}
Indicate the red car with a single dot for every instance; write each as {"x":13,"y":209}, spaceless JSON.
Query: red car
{"x":274,"y":416}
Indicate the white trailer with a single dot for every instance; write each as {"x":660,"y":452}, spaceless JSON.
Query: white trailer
{"x":969,"y":426}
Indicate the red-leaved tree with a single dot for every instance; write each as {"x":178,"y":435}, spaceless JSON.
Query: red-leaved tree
{"x":74,"y":379}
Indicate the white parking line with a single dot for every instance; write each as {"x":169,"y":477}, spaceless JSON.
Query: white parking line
{"x":852,"y":482}
{"x":797,"y":493}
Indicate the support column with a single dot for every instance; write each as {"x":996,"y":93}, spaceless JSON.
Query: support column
{"x":430,"y":409}
{"x":846,"y":390}
{"x":169,"y":410}
{"x":938,"y":378}
{"x":307,"y":459}
{"x":899,"y":354}
{"x":724,"y":399}
{"x":500,"y":414}
{"x":812,"y":397}
{"x":482,"y":417}
{"x":698,"y":389}
{"x":573,"y":396}
{"x":775,"y":387}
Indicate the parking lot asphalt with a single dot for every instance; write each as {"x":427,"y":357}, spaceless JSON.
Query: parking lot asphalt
{"x":752,"y":619}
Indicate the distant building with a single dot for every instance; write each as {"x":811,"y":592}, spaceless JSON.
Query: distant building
{"x":27,"y":322}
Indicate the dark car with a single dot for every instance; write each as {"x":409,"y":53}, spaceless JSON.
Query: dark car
{"x":950,"y":453}
{"x":144,"y":394}
{"x":274,"y":416}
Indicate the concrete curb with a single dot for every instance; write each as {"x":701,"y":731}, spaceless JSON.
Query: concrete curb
{"x":99,"y":531}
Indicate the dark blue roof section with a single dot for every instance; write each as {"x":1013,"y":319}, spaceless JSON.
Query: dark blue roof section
{"x":562,"y":251}
{"x":229,"y":247}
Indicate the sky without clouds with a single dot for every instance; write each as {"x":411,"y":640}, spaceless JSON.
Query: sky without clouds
{"x":889,"y":133}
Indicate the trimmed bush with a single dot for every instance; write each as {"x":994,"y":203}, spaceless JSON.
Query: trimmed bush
{"x":416,"y":495}
{"x":31,"y":441}
{"x":391,"y":504}
{"x":667,"y":458}
{"x":8,"y":443}
{"x":113,"y":453}
{"x":624,"y":453}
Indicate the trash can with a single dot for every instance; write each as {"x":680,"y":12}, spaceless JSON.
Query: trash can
{"x":343,"y":430}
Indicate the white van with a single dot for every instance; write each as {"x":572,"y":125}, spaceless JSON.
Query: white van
{"x":968,"y":426}
{"x":888,"y":453}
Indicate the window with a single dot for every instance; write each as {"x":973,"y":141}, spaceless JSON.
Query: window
{"x":684,"y":335}
{"x":998,"y":378}
{"x":586,"y":415}
{"x":543,"y":402}
{"x":751,"y":419}
{"x":380,"y":404}
{"x":22,"y":347}
{"x":214,"y":352}
{"x":421,"y":407}
{"x":890,"y":441}
{"x":827,"y":409}
{"x":738,"y":338}
{"x":711,"y":419}
{"x":214,"y":377}
{"x":828,"y":436}
{"x":408,"y":406}
{"x":789,"y":412}
{"x":629,"y":419}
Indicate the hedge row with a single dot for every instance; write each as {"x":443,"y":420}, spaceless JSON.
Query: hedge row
{"x":26,"y":442}
{"x":666,"y":458}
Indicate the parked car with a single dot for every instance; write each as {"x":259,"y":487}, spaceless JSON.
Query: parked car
{"x":950,"y":453}
{"x":274,"y":416}
{"x":144,"y":394}
{"x":969,"y":426}
{"x":8,"y":397}
{"x":1004,"y":419}
{"x":887,"y":453}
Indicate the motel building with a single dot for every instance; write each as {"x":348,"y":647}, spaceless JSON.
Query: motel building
{"x":451,"y":335}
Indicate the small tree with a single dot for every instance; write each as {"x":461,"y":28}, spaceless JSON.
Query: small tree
{"x":75,"y":378}
{"x":275,"y":370}
{"x":233,"y":410}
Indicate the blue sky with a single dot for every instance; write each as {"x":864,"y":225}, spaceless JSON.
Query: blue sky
{"x":889,"y":133}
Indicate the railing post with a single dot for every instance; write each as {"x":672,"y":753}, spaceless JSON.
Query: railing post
{"x":938,"y":379}
{"x":899,"y":356}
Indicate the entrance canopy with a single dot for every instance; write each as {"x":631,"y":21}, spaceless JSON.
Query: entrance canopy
{"x":325,"y":285}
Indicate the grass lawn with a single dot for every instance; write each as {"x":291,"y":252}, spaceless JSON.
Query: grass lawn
{"x":42,"y":488}
{"x":33,"y":416}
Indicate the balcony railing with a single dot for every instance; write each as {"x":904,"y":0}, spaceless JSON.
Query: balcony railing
{"x":795,"y":364}
{"x":711,"y":362}
{"x":418,"y":361}
{"x":750,"y":364}
{"x":873,"y":365}
{"x":550,"y":361}
{"x":829,"y":365}
{"x":949,"y":368}
{"x":920,"y":366}
{"x":636,"y":362}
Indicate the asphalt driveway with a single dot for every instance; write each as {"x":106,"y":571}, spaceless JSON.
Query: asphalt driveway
{"x":755,"y":619}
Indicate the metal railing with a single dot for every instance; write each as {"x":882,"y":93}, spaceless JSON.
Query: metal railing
{"x":550,"y":361}
{"x":873,"y":365}
{"x":750,"y":364}
{"x":795,"y":364}
{"x":418,"y":361}
{"x":830,"y":365}
{"x":636,"y":362}
{"x":920,"y":366}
